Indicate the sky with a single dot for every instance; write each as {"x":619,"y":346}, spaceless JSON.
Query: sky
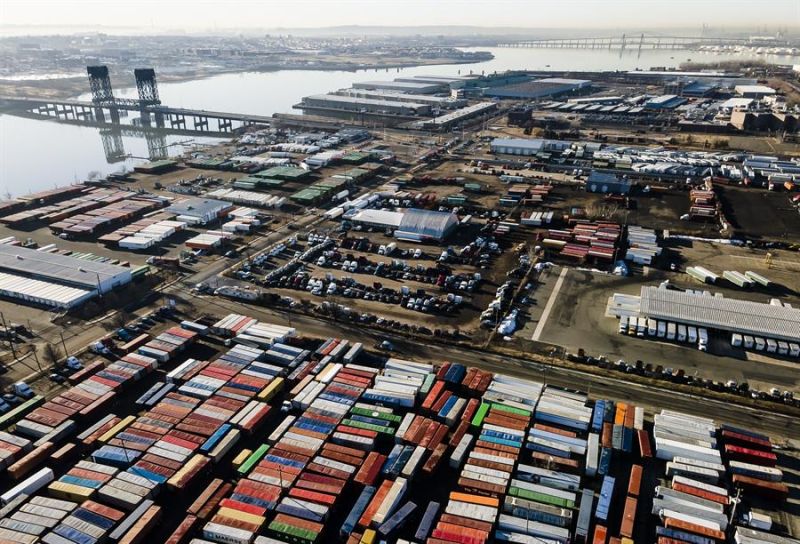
{"x":197,"y":15}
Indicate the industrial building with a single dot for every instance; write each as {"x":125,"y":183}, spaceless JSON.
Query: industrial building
{"x":53,"y":279}
{"x":438,"y":80}
{"x":358,"y":105}
{"x":444,"y":102}
{"x":744,"y":317}
{"x":664,"y":102}
{"x":411,"y":224}
{"x":403,"y":86}
{"x":539,"y":88}
{"x":196,"y":211}
{"x":754,"y":91}
{"x":448,"y":120}
{"x":527,"y":147}
{"x":607,"y":183}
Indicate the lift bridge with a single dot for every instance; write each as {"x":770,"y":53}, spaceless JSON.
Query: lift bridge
{"x":104,"y":110}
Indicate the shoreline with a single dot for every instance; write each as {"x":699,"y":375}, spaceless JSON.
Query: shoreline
{"x":71,"y":87}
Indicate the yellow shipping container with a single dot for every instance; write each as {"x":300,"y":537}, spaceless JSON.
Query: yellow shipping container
{"x":273,"y":388}
{"x":113,"y":431}
{"x":368,"y":537}
{"x":241,"y":458}
{"x":70,"y":492}
{"x":242,"y":516}
{"x":190,"y":465}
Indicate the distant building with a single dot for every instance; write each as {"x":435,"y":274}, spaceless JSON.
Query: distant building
{"x":664,"y":102}
{"x":602,"y":182}
{"x":420,"y":87}
{"x":527,"y":146}
{"x":539,"y":88}
{"x":412,"y":224}
{"x":763,"y":121}
{"x":754,"y":91}
{"x":199,"y":210}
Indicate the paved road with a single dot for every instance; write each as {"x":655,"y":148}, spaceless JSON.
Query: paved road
{"x":651,"y":398}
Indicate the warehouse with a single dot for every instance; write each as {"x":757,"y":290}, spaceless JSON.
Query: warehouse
{"x":445,"y":102}
{"x":199,"y":210}
{"x":527,"y":146}
{"x":448,"y":120}
{"x":94,"y":276}
{"x":412,"y":224}
{"x":754,"y":91}
{"x":422,"y":225}
{"x":539,"y":88}
{"x":378,"y":218}
{"x":712,"y":312}
{"x":448,"y":80}
{"x":664,"y":102}
{"x":41,"y":292}
{"x":403,"y":86}
{"x":607,"y":183}
{"x":357,"y":104}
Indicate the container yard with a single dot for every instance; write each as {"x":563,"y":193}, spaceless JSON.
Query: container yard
{"x":245,"y":431}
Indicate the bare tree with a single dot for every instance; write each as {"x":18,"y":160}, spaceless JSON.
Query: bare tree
{"x":51,"y":353}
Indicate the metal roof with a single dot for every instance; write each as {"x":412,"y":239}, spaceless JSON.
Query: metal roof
{"x":198,"y":207}
{"x":427,"y":222}
{"x":742,"y":316}
{"x":58,"y":268}
{"x":379,"y":217}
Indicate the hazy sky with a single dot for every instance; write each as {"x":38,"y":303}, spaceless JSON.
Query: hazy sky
{"x":193,"y":15}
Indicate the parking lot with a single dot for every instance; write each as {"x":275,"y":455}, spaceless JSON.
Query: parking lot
{"x":577,"y":320}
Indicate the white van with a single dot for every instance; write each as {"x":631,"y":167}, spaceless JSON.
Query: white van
{"x":662,"y":329}
{"x":760,"y":344}
{"x":623,"y":324}
{"x":651,"y":327}
{"x":794,"y":350}
{"x":772,"y":346}
{"x":641,"y":327}
{"x":691,"y":336}
{"x":671,"y":329}
{"x":702,"y":339}
{"x":783,"y":348}
{"x":681,"y":333}
{"x":748,"y":341}
{"x":736,"y":340}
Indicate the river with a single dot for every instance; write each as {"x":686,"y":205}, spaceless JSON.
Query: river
{"x":37,"y":155}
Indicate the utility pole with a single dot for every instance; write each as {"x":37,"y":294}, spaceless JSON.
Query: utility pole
{"x":8,"y":336}
{"x":63,"y":344}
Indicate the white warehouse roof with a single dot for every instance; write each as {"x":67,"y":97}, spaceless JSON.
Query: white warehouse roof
{"x":385,"y":218}
{"x":742,"y":316}
{"x":62,"y":268}
{"x":428,"y":223}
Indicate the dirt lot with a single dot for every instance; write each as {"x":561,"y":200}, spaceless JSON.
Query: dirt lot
{"x":760,"y":214}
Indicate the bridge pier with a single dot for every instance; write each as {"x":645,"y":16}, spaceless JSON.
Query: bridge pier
{"x":159,"y":120}
{"x":200,"y":122}
{"x":176,"y":120}
{"x":224,"y":125}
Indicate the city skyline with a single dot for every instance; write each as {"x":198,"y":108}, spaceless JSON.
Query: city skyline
{"x":175,"y":15}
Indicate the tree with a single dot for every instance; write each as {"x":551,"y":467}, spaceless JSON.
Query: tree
{"x":51,"y":353}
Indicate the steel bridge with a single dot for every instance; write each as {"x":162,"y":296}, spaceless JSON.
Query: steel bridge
{"x":640,"y":42}
{"x":105,"y":108}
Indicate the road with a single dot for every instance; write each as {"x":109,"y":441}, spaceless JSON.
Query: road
{"x":651,"y":398}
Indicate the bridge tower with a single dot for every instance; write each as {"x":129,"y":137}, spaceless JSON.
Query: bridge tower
{"x":100,"y":84}
{"x":102,"y":93}
{"x":147,"y":86}
{"x":113,"y":145}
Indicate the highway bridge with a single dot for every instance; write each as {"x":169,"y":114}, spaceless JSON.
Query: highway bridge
{"x":641,"y":42}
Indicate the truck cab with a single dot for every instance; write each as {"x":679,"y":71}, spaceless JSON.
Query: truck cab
{"x":702,"y":339}
{"x":22,"y":390}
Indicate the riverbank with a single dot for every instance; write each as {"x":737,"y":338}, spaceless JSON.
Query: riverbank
{"x":64,"y":88}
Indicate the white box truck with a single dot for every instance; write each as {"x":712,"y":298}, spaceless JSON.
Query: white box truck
{"x":641,"y":327}
{"x":662,"y":329}
{"x":702,"y":339}
{"x":651,"y":327}
{"x":691,"y":335}
{"x":772,"y":346}
{"x":681,"y":333}
{"x":623,"y":324}
{"x":736,"y":340}
{"x":760,"y":344}
{"x":671,"y":331}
